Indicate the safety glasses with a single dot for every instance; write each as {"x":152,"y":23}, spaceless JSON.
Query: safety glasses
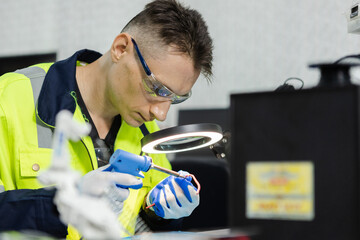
{"x":154,"y":87}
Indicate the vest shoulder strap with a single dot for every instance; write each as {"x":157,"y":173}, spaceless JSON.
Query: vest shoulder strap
{"x":37,"y":76}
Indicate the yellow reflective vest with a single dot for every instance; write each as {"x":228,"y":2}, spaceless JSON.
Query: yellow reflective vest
{"x":25,"y":146}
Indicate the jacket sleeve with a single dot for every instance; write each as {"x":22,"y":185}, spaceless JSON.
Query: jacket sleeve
{"x":34,"y":210}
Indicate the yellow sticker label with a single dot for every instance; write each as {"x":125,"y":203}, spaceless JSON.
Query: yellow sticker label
{"x":280,"y":190}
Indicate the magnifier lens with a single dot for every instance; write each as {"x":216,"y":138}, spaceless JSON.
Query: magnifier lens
{"x":182,"y":138}
{"x":182,"y":143}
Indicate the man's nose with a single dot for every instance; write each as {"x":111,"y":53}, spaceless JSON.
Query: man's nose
{"x":159,"y":110}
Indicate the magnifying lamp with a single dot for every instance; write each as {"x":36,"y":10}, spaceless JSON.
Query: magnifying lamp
{"x":182,"y":138}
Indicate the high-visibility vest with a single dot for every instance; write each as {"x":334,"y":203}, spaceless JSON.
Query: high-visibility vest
{"x":25,"y":142}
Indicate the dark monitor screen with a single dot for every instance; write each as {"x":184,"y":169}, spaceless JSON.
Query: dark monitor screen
{"x":295,"y":163}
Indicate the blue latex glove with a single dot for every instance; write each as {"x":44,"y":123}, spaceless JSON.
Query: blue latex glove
{"x":174,"y":197}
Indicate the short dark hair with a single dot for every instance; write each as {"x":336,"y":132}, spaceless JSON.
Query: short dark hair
{"x":178,"y":26}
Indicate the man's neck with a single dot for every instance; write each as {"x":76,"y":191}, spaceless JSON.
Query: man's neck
{"x":91,"y":80}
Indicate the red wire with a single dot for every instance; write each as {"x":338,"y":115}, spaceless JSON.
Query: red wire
{"x":150,"y":206}
{"x":196,"y":181}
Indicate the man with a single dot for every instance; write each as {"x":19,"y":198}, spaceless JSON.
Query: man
{"x":120,"y":97}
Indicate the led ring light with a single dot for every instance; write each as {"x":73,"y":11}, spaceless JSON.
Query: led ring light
{"x":182,"y":138}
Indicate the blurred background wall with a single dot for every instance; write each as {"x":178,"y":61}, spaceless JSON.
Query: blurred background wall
{"x":258,"y":44}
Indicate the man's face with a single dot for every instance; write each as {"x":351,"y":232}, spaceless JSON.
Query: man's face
{"x":127,"y":91}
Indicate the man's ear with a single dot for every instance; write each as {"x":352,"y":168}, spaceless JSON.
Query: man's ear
{"x":121,"y":44}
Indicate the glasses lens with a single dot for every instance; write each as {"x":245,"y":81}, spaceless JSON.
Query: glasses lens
{"x":149,"y":88}
{"x":163,"y":92}
{"x":156,"y":88}
{"x":180,"y":99}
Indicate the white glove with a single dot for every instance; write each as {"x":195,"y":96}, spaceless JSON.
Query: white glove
{"x":92,"y":203}
{"x":174,"y":197}
{"x":93,"y":217}
{"x":99,"y":183}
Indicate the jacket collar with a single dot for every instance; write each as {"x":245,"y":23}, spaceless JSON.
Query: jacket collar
{"x":59,"y":85}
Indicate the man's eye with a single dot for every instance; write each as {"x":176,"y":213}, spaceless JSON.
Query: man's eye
{"x":162,"y":92}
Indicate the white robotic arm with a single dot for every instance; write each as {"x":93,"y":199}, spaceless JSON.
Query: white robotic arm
{"x":91,"y":215}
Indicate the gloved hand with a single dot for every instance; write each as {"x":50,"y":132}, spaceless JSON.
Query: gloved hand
{"x":99,"y":183}
{"x":174,"y":197}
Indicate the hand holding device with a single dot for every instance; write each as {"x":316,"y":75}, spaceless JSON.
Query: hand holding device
{"x":174,"y":197}
{"x":97,"y":182}
{"x":175,"y":192}
{"x":126,"y":162}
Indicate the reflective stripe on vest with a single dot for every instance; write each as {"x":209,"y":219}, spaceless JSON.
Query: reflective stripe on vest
{"x":37,"y":76}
